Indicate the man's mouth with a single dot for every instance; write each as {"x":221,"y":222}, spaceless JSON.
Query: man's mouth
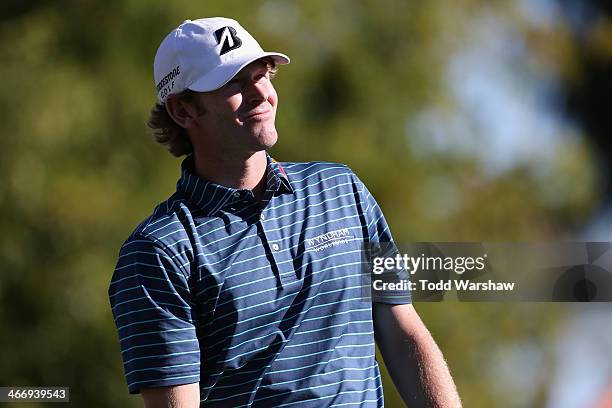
{"x":257,"y":114}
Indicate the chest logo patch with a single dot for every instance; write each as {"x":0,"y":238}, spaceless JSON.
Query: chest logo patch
{"x":328,"y":240}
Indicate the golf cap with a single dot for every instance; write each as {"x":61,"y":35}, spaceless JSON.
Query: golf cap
{"x":203,"y":55}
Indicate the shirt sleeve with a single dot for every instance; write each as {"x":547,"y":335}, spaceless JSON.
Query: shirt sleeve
{"x":379,"y":244}
{"x":154,"y":313}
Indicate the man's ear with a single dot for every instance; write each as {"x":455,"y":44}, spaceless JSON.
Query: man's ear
{"x":181,"y":111}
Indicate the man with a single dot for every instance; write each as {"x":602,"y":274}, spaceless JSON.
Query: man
{"x":244,"y":288}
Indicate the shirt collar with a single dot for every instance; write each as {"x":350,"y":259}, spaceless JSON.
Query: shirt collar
{"x":276,"y":173}
{"x":211,"y":197}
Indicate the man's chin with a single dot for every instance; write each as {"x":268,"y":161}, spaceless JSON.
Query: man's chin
{"x":267,"y":140}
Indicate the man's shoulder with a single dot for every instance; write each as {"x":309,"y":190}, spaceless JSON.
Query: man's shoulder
{"x":165,"y":224}
{"x":316,"y":170}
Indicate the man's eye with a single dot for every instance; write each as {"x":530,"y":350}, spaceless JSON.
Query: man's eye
{"x":262,"y":77}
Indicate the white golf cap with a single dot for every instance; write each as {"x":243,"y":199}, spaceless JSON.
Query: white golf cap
{"x":203,"y":55}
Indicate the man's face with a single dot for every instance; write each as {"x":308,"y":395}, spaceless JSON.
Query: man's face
{"x":239,"y":117}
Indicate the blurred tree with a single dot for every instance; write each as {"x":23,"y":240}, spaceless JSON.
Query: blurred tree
{"x":589,"y":86}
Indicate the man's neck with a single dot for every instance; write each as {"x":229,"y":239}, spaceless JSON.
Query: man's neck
{"x":246,"y":173}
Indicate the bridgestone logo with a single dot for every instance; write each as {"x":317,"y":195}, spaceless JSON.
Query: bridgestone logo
{"x":228,"y":38}
{"x":169,"y":77}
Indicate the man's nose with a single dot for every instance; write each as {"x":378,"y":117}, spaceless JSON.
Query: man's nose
{"x":257,"y":92}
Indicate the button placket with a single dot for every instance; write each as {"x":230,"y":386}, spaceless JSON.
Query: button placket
{"x":281,"y":258}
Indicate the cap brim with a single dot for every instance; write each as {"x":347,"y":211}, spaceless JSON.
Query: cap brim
{"x":221,"y":75}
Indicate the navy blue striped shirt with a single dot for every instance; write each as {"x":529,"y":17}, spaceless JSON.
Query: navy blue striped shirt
{"x":262,"y":303}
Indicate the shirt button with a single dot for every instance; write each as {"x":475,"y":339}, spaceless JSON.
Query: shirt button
{"x":262,"y":217}
{"x":275,"y":247}
{"x":236,"y":194}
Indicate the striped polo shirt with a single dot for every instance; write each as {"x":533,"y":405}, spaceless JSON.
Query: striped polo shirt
{"x":261,"y":302}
